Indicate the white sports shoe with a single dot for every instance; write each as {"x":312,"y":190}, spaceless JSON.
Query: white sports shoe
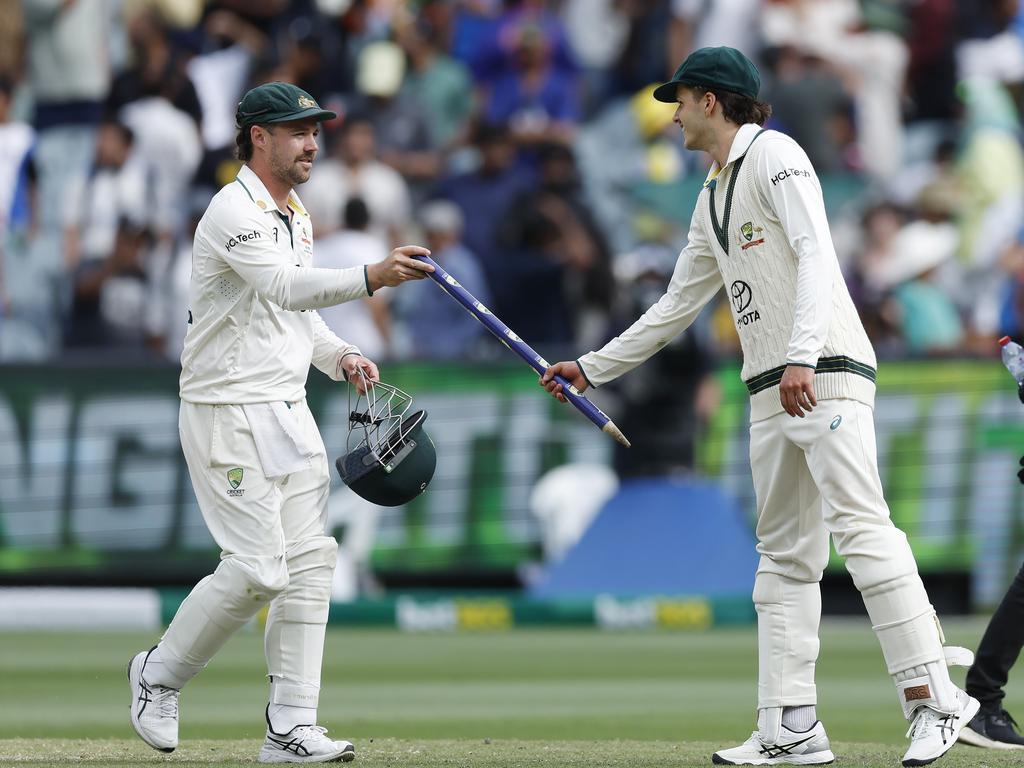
{"x":808,"y":747}
{"x":933,"y":733}
{"x":304,"y":744}
{"x":154,"y":708}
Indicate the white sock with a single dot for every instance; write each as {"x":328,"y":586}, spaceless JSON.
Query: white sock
{"x":799,"y":719}
{"x":283,"y":717}
{"x":164,"y":672}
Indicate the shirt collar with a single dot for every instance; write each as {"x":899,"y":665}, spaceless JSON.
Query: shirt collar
{"x":740,"y":144}
{"x":259,"y":194}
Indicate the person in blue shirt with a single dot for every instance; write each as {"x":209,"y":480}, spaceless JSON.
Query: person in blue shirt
{"x":486,"y":193}
{"x":438,"y":328}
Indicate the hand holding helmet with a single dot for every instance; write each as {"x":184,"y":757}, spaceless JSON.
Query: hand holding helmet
{"x":389,"y":458}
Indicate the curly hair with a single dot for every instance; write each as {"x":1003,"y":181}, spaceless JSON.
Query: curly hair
{"x":736,"y":108}
{"x":243,"y":141}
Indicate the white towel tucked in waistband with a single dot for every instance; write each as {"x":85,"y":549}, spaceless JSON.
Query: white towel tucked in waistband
{"x":281,"y":446}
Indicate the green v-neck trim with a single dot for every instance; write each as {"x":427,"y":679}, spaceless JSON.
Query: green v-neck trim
{"x":246,"y":189}
{"x":722,"y":231}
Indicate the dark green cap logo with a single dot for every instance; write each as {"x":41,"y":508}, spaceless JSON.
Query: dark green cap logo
{"x":278,"y":103}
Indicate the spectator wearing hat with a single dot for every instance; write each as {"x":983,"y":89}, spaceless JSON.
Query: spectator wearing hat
{"x":404,"y":139}
{"x":628,"y":146}
{"x":923,"y":311}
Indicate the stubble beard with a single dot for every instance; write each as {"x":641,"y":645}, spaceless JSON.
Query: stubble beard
{"x":291,"y":172}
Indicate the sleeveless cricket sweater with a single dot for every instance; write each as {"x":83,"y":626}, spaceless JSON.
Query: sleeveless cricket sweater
{"x":738,"y":226}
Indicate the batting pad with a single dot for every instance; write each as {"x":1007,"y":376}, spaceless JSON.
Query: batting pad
{"x":904,"y":622}
{"x":297,"y":622}
{"x":788,"y":614}
{"x":214,"y":610}
{"x":929,"y":685}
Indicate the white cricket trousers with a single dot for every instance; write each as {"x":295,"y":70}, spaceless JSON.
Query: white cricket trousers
{"x":814,"y":477}
{"x":273,"y":549}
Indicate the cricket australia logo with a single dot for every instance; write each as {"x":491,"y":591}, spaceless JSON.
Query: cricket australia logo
{"x":306,"y":103}
{"x":235,"y":480}
{"x":741,"y":296}
{"x":747,"y":234}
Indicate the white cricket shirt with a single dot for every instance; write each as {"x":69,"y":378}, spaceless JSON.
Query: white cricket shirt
{"x":759,"y":228}
{"x":252,"y":326}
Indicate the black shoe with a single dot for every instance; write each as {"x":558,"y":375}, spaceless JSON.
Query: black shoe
{"x":993,"y":728}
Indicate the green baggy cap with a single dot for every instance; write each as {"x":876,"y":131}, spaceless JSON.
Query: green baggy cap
{"x":720,"y":67}
{"x":278,"y":103}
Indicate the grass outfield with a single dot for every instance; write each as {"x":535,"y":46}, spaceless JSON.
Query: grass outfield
{"x":538,"y":698}
{"x":472,"y":753}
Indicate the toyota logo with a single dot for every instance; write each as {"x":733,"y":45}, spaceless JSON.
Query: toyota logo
{"x":741,"y":295}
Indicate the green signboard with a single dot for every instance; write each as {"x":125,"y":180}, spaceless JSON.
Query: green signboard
{"x":93,"y":486}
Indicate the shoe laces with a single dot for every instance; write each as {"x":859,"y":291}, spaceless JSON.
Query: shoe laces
{"x":926,"y":719}
{"x":315,"y":732}
{"x":166,"y":701}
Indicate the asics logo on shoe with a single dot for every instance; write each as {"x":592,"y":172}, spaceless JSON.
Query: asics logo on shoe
{"x":295,"y":745}
{"x":144,"y":695}
{"x":775,"y":750}
{"x":947,"y":723}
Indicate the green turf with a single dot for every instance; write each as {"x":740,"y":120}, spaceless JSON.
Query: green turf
{"x":671,"y":697}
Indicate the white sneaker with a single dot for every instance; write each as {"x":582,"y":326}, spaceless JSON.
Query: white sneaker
{"x":154,"y":708}
{"x":808,"y":747}
{"x":933,"y":733}
{"x":304,"y":744}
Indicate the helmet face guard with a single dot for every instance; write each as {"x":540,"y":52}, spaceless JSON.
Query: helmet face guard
{"x":389,"y":458}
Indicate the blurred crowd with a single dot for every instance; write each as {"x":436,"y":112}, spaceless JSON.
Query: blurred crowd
{"x":519,"y":141}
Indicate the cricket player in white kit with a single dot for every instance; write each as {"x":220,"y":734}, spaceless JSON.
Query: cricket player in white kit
{"x":760,"y":230}
{"x":255,"y":456}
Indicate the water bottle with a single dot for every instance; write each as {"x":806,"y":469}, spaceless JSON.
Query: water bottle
{"x":1013,"y":358}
